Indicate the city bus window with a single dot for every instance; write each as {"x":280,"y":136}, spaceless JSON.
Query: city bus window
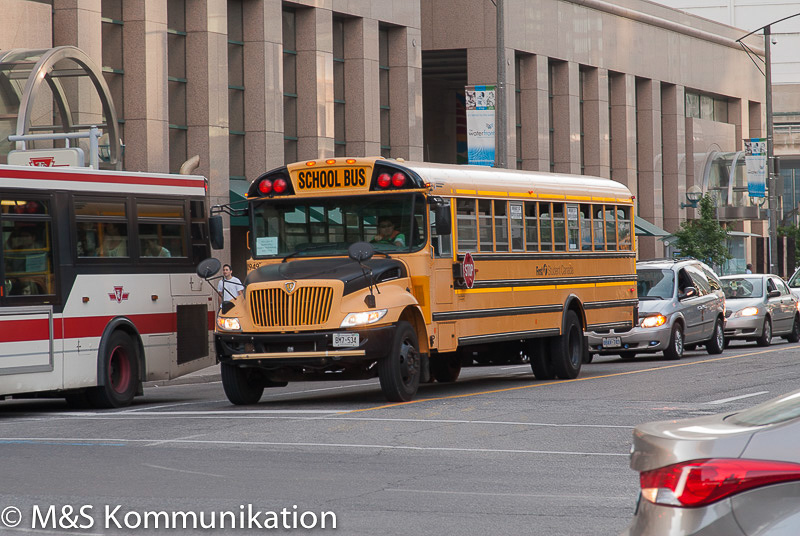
{"x":467,"y":225}
{"x":559,"y":232}
{"x":573,"y":227}
{"x":546,"y":223}
{"x":485,"y":225}
{"x":517,"y":227}
{"x":162,"y":230}
{"x":611,"y":228}
{"x":500,"y":225}
{"x":624,"y":227}
{"x":102,"y":229}
{"x":599,"y":234}
{"x":586,"y":227}
{"x":531,"y":227}
{"x":27,"y":249}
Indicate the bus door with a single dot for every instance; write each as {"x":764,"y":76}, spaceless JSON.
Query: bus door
{"x":442,"y":285}
{"x":194,"y":316}
{"x":29,"y":348}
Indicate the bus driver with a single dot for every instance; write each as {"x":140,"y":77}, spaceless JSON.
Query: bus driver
{"x":387,"y":234}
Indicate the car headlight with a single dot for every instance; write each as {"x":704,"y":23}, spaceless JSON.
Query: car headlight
{"x":228,"y":324}
{"x":747,"y":311}
{"x":361,"y":319}
{"x":654,"y":321}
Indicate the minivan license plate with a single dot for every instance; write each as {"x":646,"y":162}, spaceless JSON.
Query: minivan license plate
{"x":345,"y":340}
{"x":611,"y":342}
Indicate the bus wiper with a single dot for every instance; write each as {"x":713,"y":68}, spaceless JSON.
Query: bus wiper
{"x":309,"y":248}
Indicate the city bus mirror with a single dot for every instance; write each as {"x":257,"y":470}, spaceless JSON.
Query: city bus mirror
{"x":360,"y":251}
{"x":208,"y":268}
{"x":443,"y":224}
{"x":215,"y":231}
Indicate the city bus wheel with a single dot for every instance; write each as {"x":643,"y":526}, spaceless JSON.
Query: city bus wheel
{"x":242,"y":386}
{"x":121,"y":366}
{"x":541,"y":364}
{"x":446,"y":367}
{"x":399,"y":372}
{"x":567,"y":350}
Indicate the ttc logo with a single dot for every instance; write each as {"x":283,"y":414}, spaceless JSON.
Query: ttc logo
{"x":118,"y":295}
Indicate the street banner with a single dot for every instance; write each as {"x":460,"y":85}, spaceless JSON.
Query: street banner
{"x":755,"y":161}
{"x":480,"y":124}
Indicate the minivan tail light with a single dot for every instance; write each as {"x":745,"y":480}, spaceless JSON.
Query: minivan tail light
{"x":702,"y":482}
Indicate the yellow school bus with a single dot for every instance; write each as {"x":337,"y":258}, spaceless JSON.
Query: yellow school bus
{"x":365,"y":267}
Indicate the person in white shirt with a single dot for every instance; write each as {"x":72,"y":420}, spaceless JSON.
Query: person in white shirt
{"x":229,"y":287}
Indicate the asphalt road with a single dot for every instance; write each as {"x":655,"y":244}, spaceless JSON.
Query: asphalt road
{"x":495,"y":453}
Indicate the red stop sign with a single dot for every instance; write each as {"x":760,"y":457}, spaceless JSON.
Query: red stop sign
{"x":469,"y":270}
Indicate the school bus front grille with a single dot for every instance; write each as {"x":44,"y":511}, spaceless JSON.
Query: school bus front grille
{"x":306,"y":306}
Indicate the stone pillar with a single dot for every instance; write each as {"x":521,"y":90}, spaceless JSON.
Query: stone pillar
{"x":263,"y":87}
{"x":315,"y":128}
{"x":595,"y":123}
{"x":623,"y":130}
{"x":650,"y":185}
{"x":673,"y":131}
{"x":535,"y":113}
{"x":144,"y":38}
{"x":362,"y":87}
{"x":566,"y":118}
{"x":405,"y":92}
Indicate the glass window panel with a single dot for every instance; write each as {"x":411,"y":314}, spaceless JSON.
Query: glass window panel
{"x":531,"y":227}
{"x":27,"y":258}
{"x":624,"y":228}
{"x":599,"y":234}
{"x":97,"y":239}
{"x":155,"y":210}
{"x":485,"y":224}
{"x":692,"y":105}
{"x":546,"y":223}
{"x":586,"y":227}
{"x":500,"y":226}
{"x":517,"y":227}
{"x":289,"y":30}
{"x":706,"y":107}
{"x":721,"y":110}
{"x":611,"y":228}
{"x":88,"y":207}
{"x":290,"y":73}
{"x":235,"y":18}
{"x":467,"y":225}
{"x":573,"y":227}
{"x":24,"y":206}
{"x":162,"y":240}
{"x":559,"y":231}
{"x":290,"y":117}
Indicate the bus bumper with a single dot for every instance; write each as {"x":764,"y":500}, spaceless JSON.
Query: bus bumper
{"x":277,"y":350}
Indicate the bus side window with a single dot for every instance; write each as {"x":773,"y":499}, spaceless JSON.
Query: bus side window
{"x":517,"y":226}
{"x":611,"y":228}
{"x":500,"y":225}
{"x":546,"y":223}
{"x":624,"y":227}
{"x":531,"y":227}
{"x":485,"y":225}
{"x":599,"y":229}
{"x":467,"y":225}
{"x":586,"y":227}
{"x":559,"y":230}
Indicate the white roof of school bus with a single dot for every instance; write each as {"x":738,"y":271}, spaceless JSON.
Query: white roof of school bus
{"x":93,"y":180}
{"x":447,"y":179}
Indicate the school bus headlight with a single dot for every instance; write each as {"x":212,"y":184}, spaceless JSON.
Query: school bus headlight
{"x":228,"y":324}
{"x":362,"y":319}
{"x":654,"y":321}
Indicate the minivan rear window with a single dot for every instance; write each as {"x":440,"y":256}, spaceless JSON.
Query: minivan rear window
{"x":655,"y":284}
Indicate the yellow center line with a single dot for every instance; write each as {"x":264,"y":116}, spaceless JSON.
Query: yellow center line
{"x":614,"y":375}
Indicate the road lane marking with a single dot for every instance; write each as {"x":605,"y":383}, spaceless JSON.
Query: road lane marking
{"x":208,"y":442}
{"x":559,"y":382}
{"x":489,"y":494}
{"x":202,"y":412}
{"x":181,"y":470}
{"x":731,"y":399}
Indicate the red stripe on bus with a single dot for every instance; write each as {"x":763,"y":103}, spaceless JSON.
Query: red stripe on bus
{"x":97,"y":178}
{"x":93,"y":326}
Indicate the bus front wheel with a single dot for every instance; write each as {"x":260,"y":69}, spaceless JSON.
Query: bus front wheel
{"x":567,"y":350}
{"x":121,"y":373}
{"x":242,"y":386}
{"x":399,"y":372}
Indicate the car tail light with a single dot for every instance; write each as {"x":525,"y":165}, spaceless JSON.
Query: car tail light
{"x":265,"y":186}
{"x":384,"y":180}
{"x":702,"y":482}
{"x":279,"y":186}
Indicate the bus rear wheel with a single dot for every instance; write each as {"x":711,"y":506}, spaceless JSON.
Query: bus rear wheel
{"x":541,"y":365}
{"x":399,"y":372}
{"x":121,"y":373}
{"x":567,"y":350}
{"x":242,"y":386}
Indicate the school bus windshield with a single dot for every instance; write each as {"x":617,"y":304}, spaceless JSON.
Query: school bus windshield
{"x":328,"y":226}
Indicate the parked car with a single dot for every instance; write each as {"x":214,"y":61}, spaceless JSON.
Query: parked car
{"x":681,"y":303}
{"x":794,"y":283}
{"x":759,"y":307}
{"x":720,"y":475}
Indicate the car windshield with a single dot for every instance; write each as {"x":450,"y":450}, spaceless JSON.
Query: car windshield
{"x":655,"y":284}
{"x":794,"y":282}
{"x":773,"y":411}
{"x":742,"y":287}
{"x":308,"y":227}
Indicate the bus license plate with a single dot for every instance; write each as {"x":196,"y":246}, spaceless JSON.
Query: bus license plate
{"x":345,"y":340}
{"x":611,"y":342}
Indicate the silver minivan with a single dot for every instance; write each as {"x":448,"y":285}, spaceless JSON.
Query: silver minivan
{"x":681,"y":304}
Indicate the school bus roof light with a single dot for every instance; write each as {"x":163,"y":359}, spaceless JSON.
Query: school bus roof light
{"x":384,"y":180}
{"x":265,"y":186}
{"x":279,"y":186}
{"x":330,"y":161}
{"x":398,"y":180}
{"x":351,"y":160}
{"x":311,"y":163}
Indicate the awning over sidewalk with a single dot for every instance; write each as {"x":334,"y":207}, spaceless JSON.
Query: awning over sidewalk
{"x":645,"y":228}
{"x":238,"y":192}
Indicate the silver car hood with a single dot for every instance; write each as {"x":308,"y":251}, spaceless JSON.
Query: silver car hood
{"x":664,"y":307}
{"x":657,"y":444}
{"x":737,"y":304}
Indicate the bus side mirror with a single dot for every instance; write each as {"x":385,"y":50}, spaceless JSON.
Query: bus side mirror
{"x":360,"y":251}
{"x":208,"y":268}
{"x":215,"y":232}
{"x":443,"y":224}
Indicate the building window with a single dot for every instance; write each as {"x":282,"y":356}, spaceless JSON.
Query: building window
{"x":610,"y":127}
{"x":339,"y":130}
{"x":176,"y":83}
{"x":518,"y":105}
{"x":704,"y":106}
{"x":289,"y":86}
{"x":582,"y":77}
{"x":112,"y":26}
{"x":236,"y":128}
{"x":551,"y":73}
{"x":383,"y":74}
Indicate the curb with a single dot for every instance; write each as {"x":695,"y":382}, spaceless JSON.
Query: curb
{"x":201,"y":376}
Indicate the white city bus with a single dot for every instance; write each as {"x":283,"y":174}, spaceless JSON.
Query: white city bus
{"x":98,"y":292}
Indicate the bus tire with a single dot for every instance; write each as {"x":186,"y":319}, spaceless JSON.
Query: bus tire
{"x":445,"y":368}
{"x":541,"y":365}
{"x":121,"y":366}
{"x":242,"y":386}
{"x":566,"y":350}
{"x":399,"y":372}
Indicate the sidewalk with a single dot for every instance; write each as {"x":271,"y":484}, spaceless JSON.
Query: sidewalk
{"x":206,"y":375}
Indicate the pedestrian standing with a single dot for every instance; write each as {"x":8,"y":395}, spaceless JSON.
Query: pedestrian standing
{"x":229,"y":287}
{"x":748,"y":269}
